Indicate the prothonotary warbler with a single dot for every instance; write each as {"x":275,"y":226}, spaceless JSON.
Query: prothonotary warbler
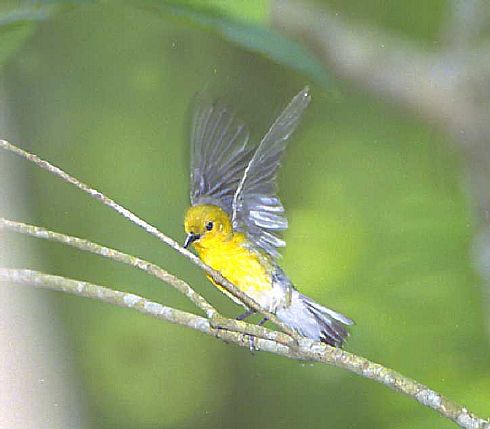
{"x":236,"y":216}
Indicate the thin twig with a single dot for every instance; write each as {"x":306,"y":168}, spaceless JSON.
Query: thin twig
{"x":306,"y":350}
{"x":115,"y":255}
{"x":215,"y":275}
{"x":216,"y":319}
{"x":235,"y":332}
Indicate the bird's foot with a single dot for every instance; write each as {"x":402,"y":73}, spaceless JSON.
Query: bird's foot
{"x":251,"y":344}
{"x":243,"y":316}
{"x":262,"y":322}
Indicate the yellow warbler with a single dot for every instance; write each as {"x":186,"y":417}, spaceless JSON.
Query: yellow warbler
{"x":236,"y":216}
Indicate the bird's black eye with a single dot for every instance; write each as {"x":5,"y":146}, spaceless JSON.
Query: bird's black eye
{"x":209,"y":226}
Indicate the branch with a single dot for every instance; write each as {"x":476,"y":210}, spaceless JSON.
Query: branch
{"x":445,"y":88}
{"x":216,"y":319}
{"x":448,"y":87}
{"x":465,"y":23}
{"x":115,"y":255}
{"x":304,"y":350}
{"x":236,"y":332}
{"x":215,"y":275}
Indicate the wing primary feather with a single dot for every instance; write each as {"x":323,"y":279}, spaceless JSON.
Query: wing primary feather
{"x":241,"y":128}
{"x":227,"y":172}
{"x":210,"y":137}
{"x":256,"y":209}
{"x":232,"y":175}
{"x":219,"y":154}
{"x":220,"y":133}
{"x":226,"y":151}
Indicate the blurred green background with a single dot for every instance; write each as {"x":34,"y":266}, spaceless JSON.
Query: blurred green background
{"x":380,"y":220}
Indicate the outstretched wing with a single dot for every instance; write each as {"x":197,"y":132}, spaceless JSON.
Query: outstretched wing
{"x":257,"y":210}
{"x":219,"y":155}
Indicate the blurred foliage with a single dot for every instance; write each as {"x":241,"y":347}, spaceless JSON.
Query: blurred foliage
{"x":16,"y":25}
{"x":379,"y":220}
{"x":243,"y":23}
{"x":419,"y":19}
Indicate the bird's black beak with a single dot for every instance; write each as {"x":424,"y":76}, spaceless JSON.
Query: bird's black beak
{"x":190,"y":239}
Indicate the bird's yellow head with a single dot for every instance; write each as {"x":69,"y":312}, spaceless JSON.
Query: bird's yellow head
{"x":207,"y":225}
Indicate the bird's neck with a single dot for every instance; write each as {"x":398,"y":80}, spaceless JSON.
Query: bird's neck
{"x":220,"y":243}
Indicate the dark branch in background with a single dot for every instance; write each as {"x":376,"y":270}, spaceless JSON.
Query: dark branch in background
{"x":443,"y":87}
{"x":448,"y":87}
{"x":465,"y":23}
{"x":228,"y":330}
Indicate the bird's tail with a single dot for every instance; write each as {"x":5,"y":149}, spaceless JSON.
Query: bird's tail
{"x":314,"y":321}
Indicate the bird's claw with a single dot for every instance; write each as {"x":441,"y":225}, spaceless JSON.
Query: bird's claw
{"x":251,"y":344}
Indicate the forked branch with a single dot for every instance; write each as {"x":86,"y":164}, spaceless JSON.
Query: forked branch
{"x":228,"y":330}
{"x":215,"y":275}
{"x":305,"y":349}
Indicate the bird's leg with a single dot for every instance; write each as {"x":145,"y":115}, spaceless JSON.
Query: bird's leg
{"x":251,"y":338}
{"x":251,"y":344}
{"x":262,"y":322}
{"x":243,"y":316}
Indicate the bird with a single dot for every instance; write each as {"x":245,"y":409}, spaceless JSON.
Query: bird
{"x":235,"y":219}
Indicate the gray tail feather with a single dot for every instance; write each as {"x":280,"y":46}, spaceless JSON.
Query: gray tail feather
{"x":314,"y":321}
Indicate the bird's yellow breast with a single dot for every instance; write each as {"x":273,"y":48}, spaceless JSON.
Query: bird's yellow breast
{"x":246,"y":269}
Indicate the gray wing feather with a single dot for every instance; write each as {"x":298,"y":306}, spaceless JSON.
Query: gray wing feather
{"x":219,"y":155}
{"x":257,"y":210}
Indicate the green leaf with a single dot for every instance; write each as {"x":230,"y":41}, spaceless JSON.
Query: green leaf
{"x":16,"y":26}
{"x":18,"y":22}
{"x":252,"y":11}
